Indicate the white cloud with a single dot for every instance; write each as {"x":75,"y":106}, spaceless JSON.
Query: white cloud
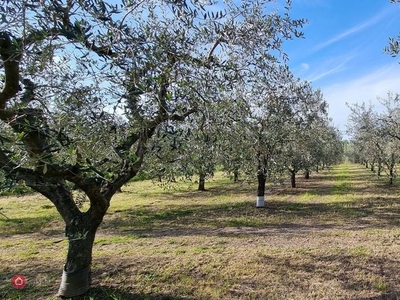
{"x":363,"y":89}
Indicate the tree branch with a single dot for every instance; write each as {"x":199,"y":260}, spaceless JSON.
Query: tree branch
{"x":11,"y":57}
{"x":52,"y":188}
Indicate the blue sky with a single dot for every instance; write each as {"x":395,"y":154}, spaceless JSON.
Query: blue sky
{"x":342,"y":52}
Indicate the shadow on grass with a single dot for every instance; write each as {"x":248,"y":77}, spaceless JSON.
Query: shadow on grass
{"x":41,"y":287}
{"x":368,"y":210}
{"x":107,"y":293}
{"x":356,"y":273}
{"x":352,"y":274}
{"x":95,"y":293}
{"x":367,"y":213}
{"x":388,"y":296}
{"x":374,"y":205}
{"x":11,"y":226}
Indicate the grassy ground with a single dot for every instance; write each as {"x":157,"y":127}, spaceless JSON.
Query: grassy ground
{"x":336,"y":236}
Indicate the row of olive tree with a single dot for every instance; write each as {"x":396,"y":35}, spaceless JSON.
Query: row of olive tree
{"x":375,"y":136}
{"x":269,"y":127}
{"x":86,"y":85}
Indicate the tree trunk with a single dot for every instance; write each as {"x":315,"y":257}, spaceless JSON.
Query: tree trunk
{"x":80,"y":230}
{"x":235,"y":176}
{"x":379,"y":169}
{"x":391,"y":168}
{"x":262,"y":179}
{"x":202,"y":181}
{"x":391,"y":175}
{"x":293,"y":178}
{"x":307,"y":174}
{"x":76,"y":277}
{"x":172,"y":178}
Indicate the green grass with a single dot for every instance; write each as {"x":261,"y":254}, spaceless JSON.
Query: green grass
{"x":335,"y":236}
{"x":26,"y":214}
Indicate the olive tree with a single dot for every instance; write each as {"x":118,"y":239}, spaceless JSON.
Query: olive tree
{"x":375,"y":135}
{"x":186,"y":151}
{"x":299,"y":152}
{"x":86,"y":84}
{"x":270,"y":101}
{"x":387,"y":128}
{"x":329,"y":145}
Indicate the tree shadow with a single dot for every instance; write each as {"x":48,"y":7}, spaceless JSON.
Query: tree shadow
{"x":395,"y":295}
{"x":370,"y":212}
{"x":107,"y":293}
{"x":43,"y":283}
{"x":351,"y":273}
{"x":26,"y":225}
{"x":354,"y":273}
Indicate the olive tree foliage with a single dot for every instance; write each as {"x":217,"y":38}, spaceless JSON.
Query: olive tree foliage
{"x":301,"y":149}
{"x":187,"y":151}
{"x":375,"y":136}
{"x":393,"y":47}
{"x":235,"y":149}
{"x":363,"y":129}
{"x":329,"y":144}
{"x":389,"y":131}
{"x":316,"y":146}
{"x":217,"y":136}
{"x":86,"y":84}
{"x":200,"y":157}
{"x":208,"y":139}
{"x":274,"y":104}
{"x":271,"y":107}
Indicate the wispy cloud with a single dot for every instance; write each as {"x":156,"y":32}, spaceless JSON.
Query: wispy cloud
{"x":334,"y":69}
{"x":352,"y":30}
{"x":366,"y":89}
{"x":325,"y":68}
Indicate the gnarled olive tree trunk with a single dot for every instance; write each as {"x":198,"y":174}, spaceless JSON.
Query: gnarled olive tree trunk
{"x":80,"y":229}
{"x":76,"y":276}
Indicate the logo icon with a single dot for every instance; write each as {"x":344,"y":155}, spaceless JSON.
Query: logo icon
{"x":18,"y":281}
